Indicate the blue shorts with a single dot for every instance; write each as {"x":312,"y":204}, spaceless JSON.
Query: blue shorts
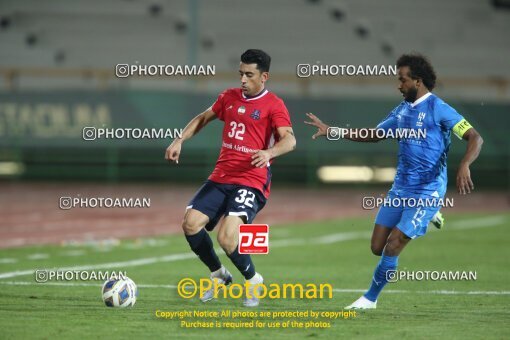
{"x":216,"y":200}
{"x":409,"y":219}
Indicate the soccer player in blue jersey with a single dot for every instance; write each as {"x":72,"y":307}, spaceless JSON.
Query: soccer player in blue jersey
{"x":421,"y":171}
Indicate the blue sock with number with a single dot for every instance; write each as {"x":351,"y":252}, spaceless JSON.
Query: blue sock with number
{"x":387,"y":266}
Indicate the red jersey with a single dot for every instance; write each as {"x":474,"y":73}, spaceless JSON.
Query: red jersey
{"x":250,"y":125}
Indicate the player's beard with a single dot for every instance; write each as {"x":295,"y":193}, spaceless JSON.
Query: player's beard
{"x":411,"y":95}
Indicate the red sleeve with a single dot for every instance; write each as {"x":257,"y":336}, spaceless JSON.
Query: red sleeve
{"x":218,"y":105}
{"x":280,"y":116}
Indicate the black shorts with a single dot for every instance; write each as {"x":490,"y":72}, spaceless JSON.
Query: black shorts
{"x":216,"y":200}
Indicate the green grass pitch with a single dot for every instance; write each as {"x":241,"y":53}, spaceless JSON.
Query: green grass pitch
{"x":335,"y":252}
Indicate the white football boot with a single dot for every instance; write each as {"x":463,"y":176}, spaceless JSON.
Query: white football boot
{"x":221,"y":276}
{"x":362,"y":303}
{"x":253,"y":301}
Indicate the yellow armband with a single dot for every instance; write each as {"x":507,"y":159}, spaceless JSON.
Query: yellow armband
{"x":461,"y":127}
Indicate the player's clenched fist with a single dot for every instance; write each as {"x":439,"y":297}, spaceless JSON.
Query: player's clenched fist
{"x":173,"y":151}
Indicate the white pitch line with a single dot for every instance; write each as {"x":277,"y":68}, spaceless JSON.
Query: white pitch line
{"x":38,"y":256}
{"x":132,"y":263}
{"x":391,"y":291}
{"x":340,"y":237}
{"x":190,"y":255}
{"x":73,"y":253}
{"x":326,"y":239}
{"x":8,"y":260}
{"x":482,"y":222}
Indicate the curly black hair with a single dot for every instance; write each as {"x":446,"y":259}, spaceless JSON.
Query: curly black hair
{"x":259,"y":57}
{"x":420,"y":68}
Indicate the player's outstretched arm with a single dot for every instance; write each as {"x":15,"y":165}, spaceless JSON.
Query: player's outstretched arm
{"x":285,"y":144}
{"x":475,"y":141}
{"x":194,"y":126}
{"x":322,"y":129}
{"x":350,"y":134}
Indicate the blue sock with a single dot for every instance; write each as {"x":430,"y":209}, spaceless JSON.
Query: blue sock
{"x":379,"y":280}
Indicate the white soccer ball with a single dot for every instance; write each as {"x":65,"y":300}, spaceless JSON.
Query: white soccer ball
{"x":119,"y":292}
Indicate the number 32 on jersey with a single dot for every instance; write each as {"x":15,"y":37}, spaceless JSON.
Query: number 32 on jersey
{"x":237,"y":130}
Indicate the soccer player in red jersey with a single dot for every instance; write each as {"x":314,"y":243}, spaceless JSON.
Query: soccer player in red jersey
{"x":257,"y":129}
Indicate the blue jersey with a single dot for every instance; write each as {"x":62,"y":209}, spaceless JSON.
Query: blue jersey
{"x":421,"y":165}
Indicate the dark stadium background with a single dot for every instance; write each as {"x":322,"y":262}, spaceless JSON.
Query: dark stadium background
{"x":57,"y":75}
